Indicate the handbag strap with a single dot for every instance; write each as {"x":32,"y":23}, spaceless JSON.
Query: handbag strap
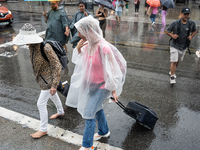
{"x":43,"y":79}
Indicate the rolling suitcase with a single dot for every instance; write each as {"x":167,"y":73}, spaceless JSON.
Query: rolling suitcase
{"x":142,"y":114}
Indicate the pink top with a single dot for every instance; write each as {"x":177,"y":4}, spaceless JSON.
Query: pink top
{"x":97,"y":71}
{"x":155,"y":10}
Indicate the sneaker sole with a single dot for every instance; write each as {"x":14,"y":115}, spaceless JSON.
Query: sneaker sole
{"x":106,"y":135}
{"x":172,"y":82}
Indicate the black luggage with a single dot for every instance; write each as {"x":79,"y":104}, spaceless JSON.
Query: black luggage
{"x":142,"y":114}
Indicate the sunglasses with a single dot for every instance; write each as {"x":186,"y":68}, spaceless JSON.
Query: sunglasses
{"x":186,"y":14}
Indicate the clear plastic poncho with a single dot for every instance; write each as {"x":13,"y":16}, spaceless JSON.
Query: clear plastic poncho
{"x":99,"y":69}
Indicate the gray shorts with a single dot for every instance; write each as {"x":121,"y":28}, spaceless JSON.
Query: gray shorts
{"x":176,"y":55}
{"x":118,"y":13}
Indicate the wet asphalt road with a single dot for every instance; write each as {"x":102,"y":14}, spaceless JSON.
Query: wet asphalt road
{"x":147,"y":53}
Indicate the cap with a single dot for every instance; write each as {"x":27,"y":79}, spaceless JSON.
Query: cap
{"x":186,"y":10}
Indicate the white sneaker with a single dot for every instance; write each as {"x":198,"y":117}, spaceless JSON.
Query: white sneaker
{"x":172,"y":80}
{"x":153,"y":23}
{"x":97,"y":136}
{"x":174,"y":74}
{"x":198,"y":53}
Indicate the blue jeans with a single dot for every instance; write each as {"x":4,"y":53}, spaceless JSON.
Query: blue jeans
{"x":90,"y":128}
{"x":153,"y":18}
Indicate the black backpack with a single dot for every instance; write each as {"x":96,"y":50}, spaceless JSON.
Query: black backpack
{"x":58,"y":49}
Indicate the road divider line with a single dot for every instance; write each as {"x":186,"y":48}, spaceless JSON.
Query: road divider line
{"x":11,"y":43}
{"x":53,"y":131}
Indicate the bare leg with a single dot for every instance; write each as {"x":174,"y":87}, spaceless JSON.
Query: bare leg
{"x":119,"y":19}
{"x":65,"y":47}
{"x":116,"y":18}
{"x":173,"y":67}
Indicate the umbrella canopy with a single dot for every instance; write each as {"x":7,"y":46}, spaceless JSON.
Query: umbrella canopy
{"x":168,"y":3}
{"x":153,"y":3}
{"x":105,"y":3}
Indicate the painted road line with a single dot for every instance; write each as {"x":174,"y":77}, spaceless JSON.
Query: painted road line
{"x":11,"y":43}
{"x":53,"y":131}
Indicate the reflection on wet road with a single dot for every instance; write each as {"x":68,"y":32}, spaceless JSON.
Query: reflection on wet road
{"x":147,"y":53}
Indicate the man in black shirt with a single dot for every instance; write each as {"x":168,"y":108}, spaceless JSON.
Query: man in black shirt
{"x":183,"y":32}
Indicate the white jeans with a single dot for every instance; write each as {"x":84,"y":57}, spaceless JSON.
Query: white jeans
{"x":42,"y":106}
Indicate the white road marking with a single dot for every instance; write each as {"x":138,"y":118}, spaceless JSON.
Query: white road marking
{"x":53,"y":131}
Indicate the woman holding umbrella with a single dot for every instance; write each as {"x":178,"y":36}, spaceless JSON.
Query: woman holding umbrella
{"x":164,"y":14}
{"x":102,"y":14}
{"x":165,"y":5}
{"x":154,"y":4}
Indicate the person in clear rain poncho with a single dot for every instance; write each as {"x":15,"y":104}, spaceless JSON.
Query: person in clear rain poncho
{"x":100,"y":70}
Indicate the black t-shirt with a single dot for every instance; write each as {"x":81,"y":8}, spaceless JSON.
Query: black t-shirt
{"x":181,"y":42}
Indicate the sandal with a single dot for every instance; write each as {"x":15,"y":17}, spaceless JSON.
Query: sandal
{"x":85,"y":148}
{"x":97,"y":136}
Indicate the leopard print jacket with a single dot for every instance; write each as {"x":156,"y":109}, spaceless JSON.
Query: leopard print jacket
{"x":50,"y":71}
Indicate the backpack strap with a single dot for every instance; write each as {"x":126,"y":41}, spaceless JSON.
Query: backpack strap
{"x":42,"y":51}
{"x":177,"y":30}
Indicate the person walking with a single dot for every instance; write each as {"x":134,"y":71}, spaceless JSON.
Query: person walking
{"x":100,"y":70}
{"x":183,"y":30}
{"x":146,"y":7}
{"x":153,"y":14}
{"x":102,"y":13}
{"x":81,"y":13}
{"x":113,"y":3}
{"x":57,"y":24}
{"x":47,"y":74}
{"x":137,"y":6}
{"x":119,"y":4}
{"x":164,"y":14}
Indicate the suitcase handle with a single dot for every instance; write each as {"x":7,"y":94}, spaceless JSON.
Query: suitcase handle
{"x":119,"y":104}
{"x":123,"y":107}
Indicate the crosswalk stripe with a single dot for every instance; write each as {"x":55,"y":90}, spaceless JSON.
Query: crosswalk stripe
{"x":55,"y":132}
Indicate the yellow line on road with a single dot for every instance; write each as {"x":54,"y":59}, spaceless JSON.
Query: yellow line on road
{"x":144,"y":45}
